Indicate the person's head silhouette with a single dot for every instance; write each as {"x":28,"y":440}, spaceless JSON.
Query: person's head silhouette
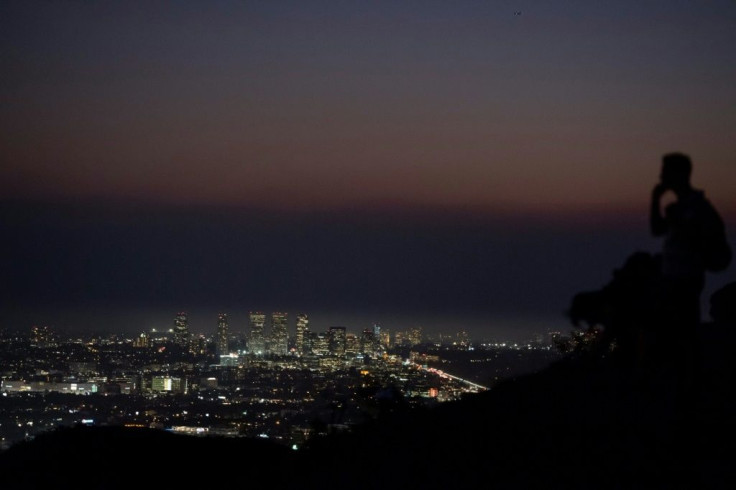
{"x":676,"y":170}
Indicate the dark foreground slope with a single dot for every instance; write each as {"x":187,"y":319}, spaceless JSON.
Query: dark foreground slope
{"x":579,"y":424}
{"x":582,"y":423}
{"x":117,"y":457}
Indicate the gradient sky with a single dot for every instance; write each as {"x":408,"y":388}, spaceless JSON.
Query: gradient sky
{"x":424,"y":143}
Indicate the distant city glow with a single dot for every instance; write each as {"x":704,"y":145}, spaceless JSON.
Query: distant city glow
{"x":266,"y":389}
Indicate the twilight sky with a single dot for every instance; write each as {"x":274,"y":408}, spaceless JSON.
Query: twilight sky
{"x":400,"y":162}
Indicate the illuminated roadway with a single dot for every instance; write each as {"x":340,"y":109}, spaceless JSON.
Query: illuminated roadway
{"x":443,"y":374}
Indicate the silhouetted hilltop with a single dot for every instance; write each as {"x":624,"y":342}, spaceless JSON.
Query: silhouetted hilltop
{"x":578,"y":424}
{"x":585,"y":422}
{"x":119,"y":457}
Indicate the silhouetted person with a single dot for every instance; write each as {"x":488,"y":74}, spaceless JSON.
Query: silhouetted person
{"x":626,"y":308}
{"x":687,"y":225}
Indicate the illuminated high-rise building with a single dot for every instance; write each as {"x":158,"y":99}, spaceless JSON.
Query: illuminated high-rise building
{"x":368,"y":341}
{"x":415,"y":336}
{"x":319,"y":343}
{"x":279,"y":334}
{"x":257,"y":341}
{"x":385,"y":339}
{"x":182,"y":335}
{"x":352,"y":344}
{"x":337,"y":341}
{"x":373,"y":339}
{"x":223,"y":335}
{"x":302,"y":327}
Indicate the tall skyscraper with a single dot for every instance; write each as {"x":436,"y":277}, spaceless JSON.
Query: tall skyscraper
{"x":181,"y":330}
{"x":257,"y":341}
{"x":279,"y":334}
{"x":415,"y":336}
{"x":337,"y":341}
{"x":319,"y":343}
{"x":223,"y":335}
{"x":385,"y":338}
{"x":352,"y":344}
{"x":368,"y":341}
{"x":302,"y":327}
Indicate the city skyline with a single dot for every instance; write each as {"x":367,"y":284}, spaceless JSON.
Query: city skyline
{"x":223,"y":327}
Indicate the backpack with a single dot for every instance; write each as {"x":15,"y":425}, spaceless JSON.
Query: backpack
{"x":714,"y":248}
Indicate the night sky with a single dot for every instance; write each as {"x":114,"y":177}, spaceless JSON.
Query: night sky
{"x":439,"y":164}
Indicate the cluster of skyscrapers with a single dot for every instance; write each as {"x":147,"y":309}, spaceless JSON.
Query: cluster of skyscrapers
{"x":269,"y":335}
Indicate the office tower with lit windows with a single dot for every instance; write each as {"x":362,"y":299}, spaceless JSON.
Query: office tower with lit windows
{"x":182,"y":336}
{"x":385,"y":339}
{"x":319,"y":343}
{"x":223,"y":335}
{"x":279,"y":334}
{"x":368,"y":341}
{"x":302,"y":327}
{"x":337,"y":339}
{"x":376,"y":332}
{"x":352,"y":344}
{"x":257,"y":341}
{"x":415,"y":336}
{"x":168,"y":384}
